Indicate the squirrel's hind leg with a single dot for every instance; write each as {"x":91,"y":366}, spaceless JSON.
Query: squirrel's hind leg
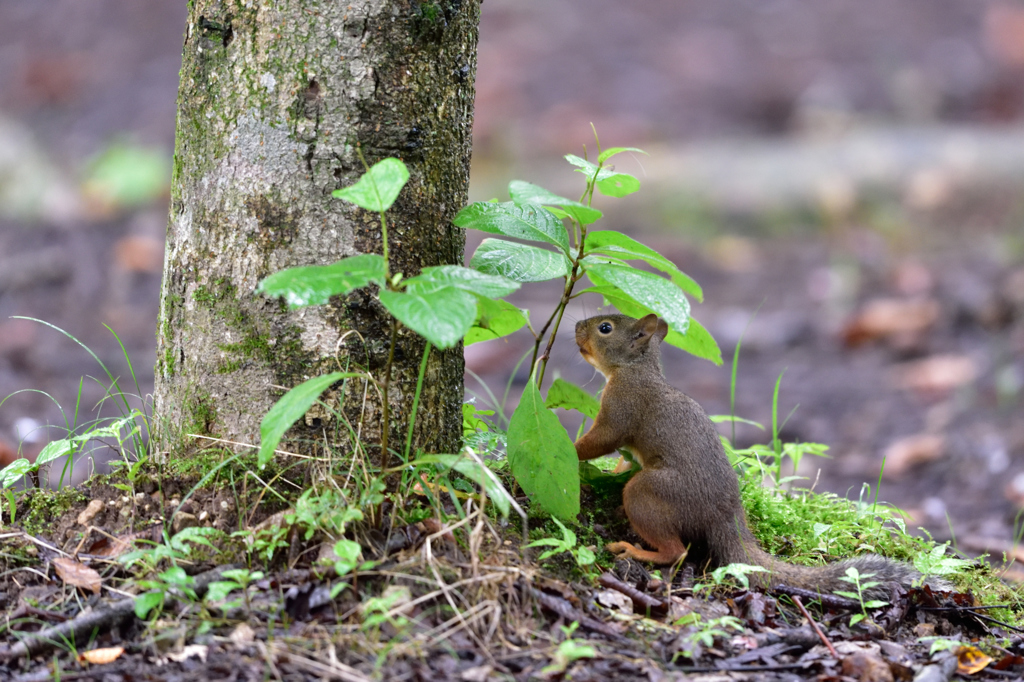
{"x":652,"y":517}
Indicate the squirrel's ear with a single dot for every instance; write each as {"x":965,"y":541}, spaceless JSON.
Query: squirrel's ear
{"x":648,"y":324}
{"x":647,"y":327}
{"x":662,"y":331}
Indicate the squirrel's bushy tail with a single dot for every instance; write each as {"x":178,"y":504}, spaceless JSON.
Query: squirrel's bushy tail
{"x":828,"y":578}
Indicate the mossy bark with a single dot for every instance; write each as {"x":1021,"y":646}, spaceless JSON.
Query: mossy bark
{"x":275,"y":98}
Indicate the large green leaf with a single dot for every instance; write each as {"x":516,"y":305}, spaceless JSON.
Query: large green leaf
{"x":519,"y":262}
{"x":378,"y":188}
{"x":569,"y":396}
{"x":609,"y":183}
{"x":528,"y":193}
{"x":697,"y":340}
{"x":522,"y":221}
{"x":476,"y":472}
{"x":289,"y":408}
{"x":441,"y":276}
{"x":616,"y":244}
{"x":649,"y":290}
{"x":315,"y":284}
{"x":442,"y":316}
{"x":494,"y":319}
{"x":542,"y":457}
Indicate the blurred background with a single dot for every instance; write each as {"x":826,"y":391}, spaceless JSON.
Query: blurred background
{"x":845,"y":178}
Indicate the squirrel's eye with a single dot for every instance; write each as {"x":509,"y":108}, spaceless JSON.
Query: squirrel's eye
{"x":605,"y":328}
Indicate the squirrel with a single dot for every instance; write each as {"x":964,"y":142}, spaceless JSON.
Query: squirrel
{"x":686,"y":497}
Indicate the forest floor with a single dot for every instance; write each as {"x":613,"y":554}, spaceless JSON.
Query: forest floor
{"x":234,"y":597}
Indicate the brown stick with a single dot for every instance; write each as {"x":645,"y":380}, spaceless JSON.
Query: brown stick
{"x":821,"y":635}
{"x":641,"y":600}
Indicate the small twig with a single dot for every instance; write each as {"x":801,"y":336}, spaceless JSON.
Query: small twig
{"x":817,"y":630}
{"x":641,"y":600}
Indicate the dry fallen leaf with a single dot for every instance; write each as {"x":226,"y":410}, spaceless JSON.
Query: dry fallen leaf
{"x":866,"y":668}
{"x":113,"y":547}
{"x":937,"y":374}
{"x":908,"y":452}
{"x":242,"y":635}
{"x":198,"y":650}
{"x":77,"y":574}
{"x":890,"y":318}
{"x":86,"y":516}
{"x":101,"y":656}
{"x":970,"y":660}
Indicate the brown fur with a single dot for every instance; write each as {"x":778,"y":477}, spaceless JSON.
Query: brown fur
{"x":686,"y":496}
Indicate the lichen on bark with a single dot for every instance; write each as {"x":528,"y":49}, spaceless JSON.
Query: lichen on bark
{"x":275,"y":99}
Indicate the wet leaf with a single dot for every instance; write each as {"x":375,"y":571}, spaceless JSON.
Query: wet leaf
{"x":613,"y":243}
{"x":660,"y":295}
{"x":519,"y":262}
{"x":442,"y":317}
{"x":521,"y":221}
{"x":474,"y":281}
{"x":315,"y":284}
{"x":528,"y":193}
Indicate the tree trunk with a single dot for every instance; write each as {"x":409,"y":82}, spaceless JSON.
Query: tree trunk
{"x":275,"y":99}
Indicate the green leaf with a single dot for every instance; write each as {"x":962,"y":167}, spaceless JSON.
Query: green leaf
{"x":609,"y":183}
{"x":348,"y":552}
{"x":526,"y":221}
{"x":13,"y":472}
{"x":126,"y":175}
{"x":519,"y":262}
{"x":585,"y":556}
{"x":612,"y":151}
{"x":475,"y":472}
{"x":542,"y":457}
{"x":527,"y":193}
{"x":54,"y":450}
{"x":697,"y":340}
{"x":378,"y":188}
{"x":618,"y":185}
{"x":494,"y":319}
{"x":145,"y":603}
{"x":569,"y":396}
{"x":315,"y":284}
{"x":289,"y":408}
{"x":616,"y":244}
{"x":649,"y":290}
{"x":438,"y":277}
{"x":218,"y":590}
{"x":441,"y":317}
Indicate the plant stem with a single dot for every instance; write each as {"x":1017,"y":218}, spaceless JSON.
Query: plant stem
{"x":385,"y":455}
{"x":416,"y":400}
